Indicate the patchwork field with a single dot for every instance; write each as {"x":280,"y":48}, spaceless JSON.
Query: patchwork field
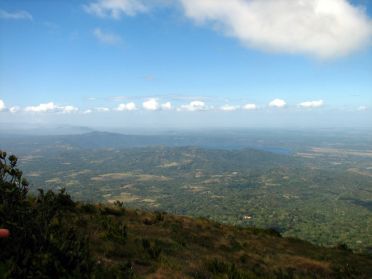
{"x":318,"y":193}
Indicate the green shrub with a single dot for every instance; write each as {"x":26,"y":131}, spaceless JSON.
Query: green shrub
{"x":219,"y":267}
{"x":88,"y":208}
{"x":152,"y":248}
{"x":42,"y":242}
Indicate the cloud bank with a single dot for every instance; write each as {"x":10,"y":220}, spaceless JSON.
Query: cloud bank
{"x":153,"y":105}
{"x":321,"y":28}
{"x":51,"y":107}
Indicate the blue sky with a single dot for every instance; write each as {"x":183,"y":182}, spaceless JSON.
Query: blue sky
{"x":178,"y":63}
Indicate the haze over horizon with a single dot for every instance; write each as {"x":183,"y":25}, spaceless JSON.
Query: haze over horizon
{"x":186,"y":63}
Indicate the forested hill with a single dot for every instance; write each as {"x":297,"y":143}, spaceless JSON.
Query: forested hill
{"x":53,"y":237}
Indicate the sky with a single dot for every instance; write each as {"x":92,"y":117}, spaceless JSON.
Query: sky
{"x":186,"y":63}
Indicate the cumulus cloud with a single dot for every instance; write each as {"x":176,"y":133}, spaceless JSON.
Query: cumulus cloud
{"x":362,"y":108}
{"x":2,"y":105}
{"x":14,"y":109}
{"x":68,"y":109}
{"x":277,"y":103}
{"x":151,"y":104}
{"x":18,"y":15}
{"x":102,"y":109}
{"x":127,"y":107}
{"x":115,"y":8}
{"x":51,"y":107}
{"x":47,"y":107}
{"x":229,"y":107}
{"x":106,"y":38}
{"x":311,"y":104}
{"x":250,"y":106}
{"x":193,"y":106}
{"x":322,"y":28}
{"x":166,"y":106}
{"x":87,"y":111}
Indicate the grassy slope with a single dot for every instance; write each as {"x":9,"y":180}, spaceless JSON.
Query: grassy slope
{"x":169,"y":246}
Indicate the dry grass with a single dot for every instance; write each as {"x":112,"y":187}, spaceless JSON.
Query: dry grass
{"x":189,"y":245}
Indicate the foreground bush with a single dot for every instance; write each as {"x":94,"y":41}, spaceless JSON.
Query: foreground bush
{"x":42,"y":243}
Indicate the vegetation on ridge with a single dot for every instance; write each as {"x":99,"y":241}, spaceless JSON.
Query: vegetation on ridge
{"x":54,"y":237}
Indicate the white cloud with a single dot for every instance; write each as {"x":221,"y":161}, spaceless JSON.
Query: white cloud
{"x":115,"y":8}
{"x":87,"y":111}
{"x":362,"y":108}
{"x":194,"y":106}
{"x":277,"y":103}
{"x":14,"y":109}
{"x":68,"y":109}
{"x":322,"y":28}
{"x":151,"y":104}
{"x":102,"y":109}
{"x":311,"y":104}
{"x":47,"y":107}
{"x":51,"y":107}
{"x":15,"y":15}
{"x":107,"y":38}
{"x":250,"y":106}
{"x":2,"y":105}
{"x":166,"y":106}
{"x":127,"y":107}
{"x":229,"y":108}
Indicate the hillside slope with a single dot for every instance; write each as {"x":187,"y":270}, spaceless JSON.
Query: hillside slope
{"x":160,"y":245}
{"x":53,"y":237}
